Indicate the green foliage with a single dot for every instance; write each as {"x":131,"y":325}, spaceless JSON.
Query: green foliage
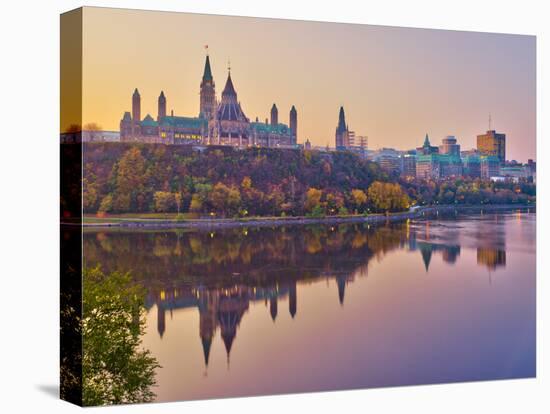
{"x":115,"y":367}
{"x":106,"y":204}
{"x":317,"y":211}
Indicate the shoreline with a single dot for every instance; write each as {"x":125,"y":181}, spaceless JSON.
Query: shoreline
{"x":282,"y":221}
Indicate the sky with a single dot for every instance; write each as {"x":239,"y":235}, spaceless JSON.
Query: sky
{"x":395,"y":84}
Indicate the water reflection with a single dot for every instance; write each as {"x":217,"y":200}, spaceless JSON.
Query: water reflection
{"x":224,"y":274}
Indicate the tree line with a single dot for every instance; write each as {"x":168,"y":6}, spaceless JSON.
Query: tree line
{"x":226,"y":182}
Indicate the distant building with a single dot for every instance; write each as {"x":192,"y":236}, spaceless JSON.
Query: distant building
{"x":492,"y":144}
{"x":342,"y":131}
{"x":218,"y":123}
{"x":436,"y":163}
{"x":427,"y":148}
{"x":489,"y":166}
{"x":471,"y":165}
{"x":388,"y":159}
{"x":449,"y":146}
{"x":90,"y":135}
{"x":408,"y":165}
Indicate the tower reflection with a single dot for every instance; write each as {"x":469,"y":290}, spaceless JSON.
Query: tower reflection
{"x":221,"y":273}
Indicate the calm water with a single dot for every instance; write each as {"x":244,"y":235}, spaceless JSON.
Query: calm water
{"x":297,"y":309}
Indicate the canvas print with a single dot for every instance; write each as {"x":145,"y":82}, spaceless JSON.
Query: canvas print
{"x":259,"y":206}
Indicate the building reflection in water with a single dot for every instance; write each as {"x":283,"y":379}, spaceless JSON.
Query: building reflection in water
{"x":221,"y":273}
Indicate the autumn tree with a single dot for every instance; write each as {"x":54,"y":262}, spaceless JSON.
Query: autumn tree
{"x":225,"y":200}
{"x":130,"y":181}
{"x":387,"y":196}
{"x":313,"y":199}
{"x":164,"y":201}
{"x":358,"y":199}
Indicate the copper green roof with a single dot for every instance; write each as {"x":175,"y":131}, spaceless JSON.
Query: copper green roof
{"x":442,"y":158}
{"x":263,"y":128}
{"x":149,"y":121}
{"x":183,"y":122}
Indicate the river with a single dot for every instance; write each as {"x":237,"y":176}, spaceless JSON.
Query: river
{"x":253,"y":311}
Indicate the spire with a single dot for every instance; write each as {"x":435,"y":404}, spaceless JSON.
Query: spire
{"x":206,"y":344}
{"x":426,"y":141}
{"x":229,"y":90}
{"x":207,"y":75}
{"x":341,"y":120}
{"x":136,"y":92}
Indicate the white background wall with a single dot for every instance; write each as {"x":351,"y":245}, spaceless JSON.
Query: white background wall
{"x":29,"y":245}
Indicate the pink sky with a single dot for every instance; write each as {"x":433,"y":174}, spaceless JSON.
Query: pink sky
{"x":396,"y":84}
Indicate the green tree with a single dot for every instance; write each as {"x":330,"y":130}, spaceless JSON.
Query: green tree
{"x":115,"y":367}
{"x":225,"y":200}
{"x":106,"y":204}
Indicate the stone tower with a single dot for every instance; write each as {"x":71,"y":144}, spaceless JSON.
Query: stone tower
{"x":136,"y":106}
{"x":162,"y":106}
{"x":274,"y":115}
{"x":342,"y":132}
{"x":208,"y":92}
{"x":293,"y":124}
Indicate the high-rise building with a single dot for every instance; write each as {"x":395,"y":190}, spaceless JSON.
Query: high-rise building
{"x":471,"y":164}
{"x":342,"y":131}
{"x":449,"y":146}
{"x":408,"y":165}
{"x":492,"y":144}
{"x":489,"y":166}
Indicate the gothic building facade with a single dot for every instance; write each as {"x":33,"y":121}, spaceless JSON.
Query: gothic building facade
{"x":218,"y":123}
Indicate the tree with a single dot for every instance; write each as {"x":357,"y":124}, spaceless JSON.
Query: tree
{"x":225,"y":200}
{"x":196,"y":203}
{"x":164,"y":201}
{"x":387,"y":196}
{"x":177,"y":200}
{"x":313,"y":199}
{"x":358,"y":199}
{"x":106,"y":204}
{"x":130,"y":180}
{"x":115,"y":367}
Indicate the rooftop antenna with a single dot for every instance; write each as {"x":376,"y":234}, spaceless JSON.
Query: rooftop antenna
{"x":490,"y":121}
{"x":229,"y":65}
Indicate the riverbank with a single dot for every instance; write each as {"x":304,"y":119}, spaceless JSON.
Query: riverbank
{"x":420,"y":212}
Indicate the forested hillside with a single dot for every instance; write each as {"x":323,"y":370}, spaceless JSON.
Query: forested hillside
{"x":227,"y":182}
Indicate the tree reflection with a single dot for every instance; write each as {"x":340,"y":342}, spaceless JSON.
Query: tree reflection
{"x":222,"y":272}
{"x":115,"y":368}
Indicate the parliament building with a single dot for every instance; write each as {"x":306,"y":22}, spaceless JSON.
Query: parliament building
{"x":219,"y":122}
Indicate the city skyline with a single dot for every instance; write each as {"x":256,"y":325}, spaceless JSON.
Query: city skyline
{"x":482,"y":74}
